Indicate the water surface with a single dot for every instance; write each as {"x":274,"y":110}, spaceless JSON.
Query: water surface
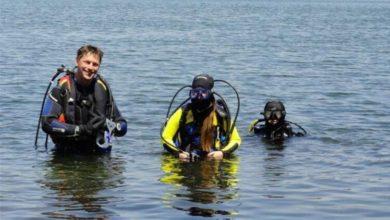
{"x":328,"y":62}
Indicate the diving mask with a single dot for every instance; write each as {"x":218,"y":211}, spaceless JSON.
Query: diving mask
{"x":200,"y":93}
{"x":273,"y":114}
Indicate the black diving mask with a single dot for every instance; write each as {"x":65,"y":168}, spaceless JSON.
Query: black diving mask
{"x":273,"y":114}
{"x":200,"y":94}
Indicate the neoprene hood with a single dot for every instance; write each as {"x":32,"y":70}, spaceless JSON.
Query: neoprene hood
{"x":203,"y":80}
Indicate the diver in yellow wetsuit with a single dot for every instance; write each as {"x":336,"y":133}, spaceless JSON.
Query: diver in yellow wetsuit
{"x":202,"y":127}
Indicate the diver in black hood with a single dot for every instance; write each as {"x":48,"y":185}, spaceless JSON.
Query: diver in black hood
{"x":275,"y":126}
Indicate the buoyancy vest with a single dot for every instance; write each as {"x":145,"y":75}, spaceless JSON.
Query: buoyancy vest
{"x":189,"y":128}
{"x":75,"y":104}
{"x":281,"y":131}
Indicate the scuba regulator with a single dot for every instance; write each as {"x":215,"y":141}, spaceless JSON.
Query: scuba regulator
{"x":197,"y":93}
{"x":275,"y":111}
{"x":104,"y":141}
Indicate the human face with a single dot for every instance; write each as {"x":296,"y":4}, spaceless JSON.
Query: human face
{"x":200,"y":93}
{"x":87,"y":66}
{"x":273,"y":117}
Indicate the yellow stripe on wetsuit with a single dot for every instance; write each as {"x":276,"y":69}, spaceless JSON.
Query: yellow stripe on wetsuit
{"x":171,"y":129}
{"x":234,"y":142}
{"x":173,"y":124}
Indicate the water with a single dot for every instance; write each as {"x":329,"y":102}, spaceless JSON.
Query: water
{"x":329,"y":63}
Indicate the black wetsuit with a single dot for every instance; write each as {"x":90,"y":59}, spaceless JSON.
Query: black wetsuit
{"x":71,"y":106}
{"x":276,"y":132}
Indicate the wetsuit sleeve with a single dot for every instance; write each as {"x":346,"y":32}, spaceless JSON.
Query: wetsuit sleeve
{"x":289,"y":130}
{"x":101,"y":109}
{"x":121,"y":123}
{"x":292,"y":132}
{"x":171,"y":130}
{"x":234,"y":142}
{"x":259,"y":129}
{"x":101,"y":98}
{"x":53,"y":121}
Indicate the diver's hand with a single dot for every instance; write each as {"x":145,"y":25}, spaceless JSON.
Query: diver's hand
{"x":120,"y":128}
{"x":184,"y":155}
{"x":299,"y":134}
{"x":218,"y":155}
{"x":96,"y":123}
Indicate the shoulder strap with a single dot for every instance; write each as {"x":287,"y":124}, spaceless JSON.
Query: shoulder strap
{"x":110,"y":99}
{"x":222,"y":116}
{"x":66,"y":84}
{"x":64,"y":81}
{"x":100,"y":82}
{"x":183,"y":118}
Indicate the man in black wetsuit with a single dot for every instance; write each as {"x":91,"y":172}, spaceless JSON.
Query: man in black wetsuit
{"x":275,"y":127}
{"x":80,"y":113}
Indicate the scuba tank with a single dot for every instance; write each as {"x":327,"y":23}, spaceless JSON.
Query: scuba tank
{"x":275,"y":110}
{"x":104,"y":140}
{"x":62,"y":69}
{"x":220,"y":102}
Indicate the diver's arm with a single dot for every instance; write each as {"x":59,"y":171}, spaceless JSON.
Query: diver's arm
{"x":253,"y":125}
{"x":101,"y":98}
{"x":100,"y":102}
{"x":297,"y":133}
{"x":121,"y":123}
{"x":234,"y":142}
{"x":288,"y":130}
{"x":215,"y":155}
{"x":53,"y":118}
{"x":170,"y":131}
{"x":101,"y":108}
{"x":259,"y":129}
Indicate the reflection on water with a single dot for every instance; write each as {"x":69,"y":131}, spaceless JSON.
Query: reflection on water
{"x":273,"y":145}
{"x":274,"y":167}
{"x":78,"y":182}
{"x":202,"y":188}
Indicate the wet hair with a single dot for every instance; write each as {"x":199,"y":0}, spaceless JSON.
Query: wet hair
{"x":207,"y":130}
{"x":89,"y":49}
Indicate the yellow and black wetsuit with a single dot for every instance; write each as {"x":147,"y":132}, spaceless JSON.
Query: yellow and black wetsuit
{"x":182,"y":133}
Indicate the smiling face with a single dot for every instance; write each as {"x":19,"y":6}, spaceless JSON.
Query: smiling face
{"x":87,"y":67}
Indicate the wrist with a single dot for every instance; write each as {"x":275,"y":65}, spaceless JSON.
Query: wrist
{"x":120,"y":128}
{"x":77,"y":130}
{"x":82,"y":129}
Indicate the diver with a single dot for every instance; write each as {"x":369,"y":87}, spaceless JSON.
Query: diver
{"x":275,"y":126}
{"x":80,"y":113}
{"x":201,"y":126}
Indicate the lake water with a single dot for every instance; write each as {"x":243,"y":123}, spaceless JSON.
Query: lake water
{"x":328,"y":62}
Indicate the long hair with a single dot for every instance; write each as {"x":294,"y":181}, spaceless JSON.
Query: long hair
{"x":207,"y":130}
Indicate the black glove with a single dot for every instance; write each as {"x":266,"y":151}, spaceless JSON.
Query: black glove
{"x":96,"y":123}
{"x":121,"y":128}
{"x":299,"y":134}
